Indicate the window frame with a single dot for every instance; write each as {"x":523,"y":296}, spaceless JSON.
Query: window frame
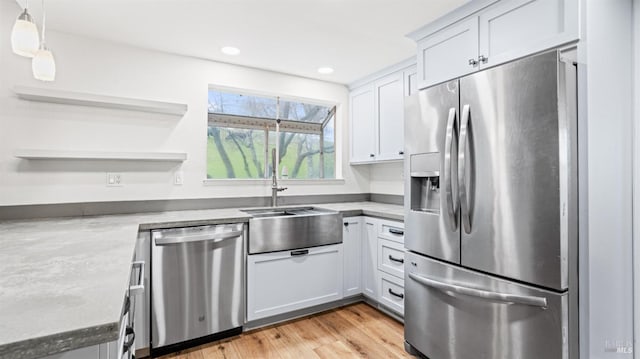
{"x":269,"y":125}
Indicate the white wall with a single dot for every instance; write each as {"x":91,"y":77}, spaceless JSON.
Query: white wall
{"x":387,"y":178}
{"x":106,"y":68}
{"x":606,"y":268}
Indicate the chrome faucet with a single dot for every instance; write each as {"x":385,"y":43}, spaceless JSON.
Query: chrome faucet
{"x":274,"y":181}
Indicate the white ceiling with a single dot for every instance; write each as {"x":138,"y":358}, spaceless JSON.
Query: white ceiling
{"x":355,"y":37}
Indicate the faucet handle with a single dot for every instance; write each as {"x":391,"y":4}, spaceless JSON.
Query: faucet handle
{"x":280,"y":189}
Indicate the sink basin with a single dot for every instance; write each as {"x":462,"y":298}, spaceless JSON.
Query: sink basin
{"x":288,"y":228}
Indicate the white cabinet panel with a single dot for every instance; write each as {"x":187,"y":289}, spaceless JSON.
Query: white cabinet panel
{"x":391,"y":257}
{"x":392,"y":293}
{"x":389,"y":99}
{"x":363,"y":140}
{"x":285,"y":281}
{"x":391,"y":230}
{"x":352,"y":247}
{"x":370,"y":258}
{"x":100,"y":351}
{"x":140,"y":299}
{"x":411,"y":81}
{"x":515,"y":28}
{"x":446,"y":54}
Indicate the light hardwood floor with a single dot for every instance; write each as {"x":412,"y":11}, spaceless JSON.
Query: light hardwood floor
{"x":354,"y":331}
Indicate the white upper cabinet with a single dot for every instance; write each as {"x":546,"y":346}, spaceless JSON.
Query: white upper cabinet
{"x":449,"y":53}
{"x":363,"y":139}
{"x":411,"y":81}
{"x":516,"y":28}
{"x":503,"y":31}
{"x":389,"y":98}
{"x":377,"y":114}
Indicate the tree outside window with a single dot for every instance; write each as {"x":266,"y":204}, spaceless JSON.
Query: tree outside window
{"x":242,"y":132}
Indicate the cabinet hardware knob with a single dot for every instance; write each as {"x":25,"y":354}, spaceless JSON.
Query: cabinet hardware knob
{"x":483,"y":59}
{"x":401,"y":152}
{"x":371,"y":155}
{"x":473,"y":62}
{"x":346,"y":224}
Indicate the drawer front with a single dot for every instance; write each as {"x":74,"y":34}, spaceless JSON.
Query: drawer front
{"x":391,"y":230}
{"x":391,"y":257}
{"x":285,"y":281}
{"x":392,"y":293}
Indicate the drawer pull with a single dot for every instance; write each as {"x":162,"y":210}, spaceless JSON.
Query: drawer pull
{"x":399,"y":295}
{"x":131,"y":337}
{"x":137,"y":286}
{"x":301,"y":252}
{"x":399,"y":232}
{"x":399,"y":260}
{"x":506,"y":298}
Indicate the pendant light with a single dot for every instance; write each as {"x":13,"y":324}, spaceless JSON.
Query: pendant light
{"x":24,"y":36}
{"x":43,"y":63}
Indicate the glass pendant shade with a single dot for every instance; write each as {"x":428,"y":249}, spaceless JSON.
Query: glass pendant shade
{"x":25,"y":40}
{"x":44,"y":65}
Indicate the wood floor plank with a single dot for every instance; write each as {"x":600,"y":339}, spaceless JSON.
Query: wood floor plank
{"x":335,"y":350}
{"x":354,"y":331}
{"x":354,"y":336}
{"x":376,"y":329}
{"x":222,"y":350}
{"x":288,"y":345}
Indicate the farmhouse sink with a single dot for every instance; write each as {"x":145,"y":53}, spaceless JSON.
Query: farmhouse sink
{"x":289,"y":228}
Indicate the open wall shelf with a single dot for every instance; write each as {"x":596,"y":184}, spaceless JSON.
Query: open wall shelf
{"x":94,"y":100}
{"x":38,"y":154}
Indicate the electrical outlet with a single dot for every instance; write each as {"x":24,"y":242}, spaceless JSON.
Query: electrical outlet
{"x":114,"y":180}
{"x":178,"y":178}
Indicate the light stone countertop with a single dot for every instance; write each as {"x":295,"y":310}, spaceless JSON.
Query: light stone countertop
{"x":63,"y":280}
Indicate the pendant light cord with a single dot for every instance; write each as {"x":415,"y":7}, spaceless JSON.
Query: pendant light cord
{"x":44,"y":19}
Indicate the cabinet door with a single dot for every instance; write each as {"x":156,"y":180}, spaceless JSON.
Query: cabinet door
{"x":352,"y":247}
{"x":446,"y":54}
{"x":390,"y":116}
{"x":370,"y":259}
{"x":285,"y":281}
{"x":516,"y":28}
{"x":362,"y":123}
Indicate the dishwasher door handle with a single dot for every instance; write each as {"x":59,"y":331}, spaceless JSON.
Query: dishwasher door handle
{"x":214,"y":237}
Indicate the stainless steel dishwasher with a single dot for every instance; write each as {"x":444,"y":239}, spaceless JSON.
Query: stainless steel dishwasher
{"x":197,"y":285}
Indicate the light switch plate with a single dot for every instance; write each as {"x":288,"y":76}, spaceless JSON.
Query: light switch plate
{"x":178,"y":178}
{"x":114,"y":180}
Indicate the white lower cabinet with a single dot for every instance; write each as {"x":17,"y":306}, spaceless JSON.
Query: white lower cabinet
{"x":370,"y":258}
{"x":285,"y":281}
{"x":392,"y":293}
{"x":352,"y":247}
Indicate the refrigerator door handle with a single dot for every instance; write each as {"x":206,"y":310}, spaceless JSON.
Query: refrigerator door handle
{"x":452,"y":206}
{"x":462,"y":167}
{"x":493,"y":296}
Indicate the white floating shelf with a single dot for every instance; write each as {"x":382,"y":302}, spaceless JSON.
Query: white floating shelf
{"x":30,"y":154}
{"x":94,"y":100}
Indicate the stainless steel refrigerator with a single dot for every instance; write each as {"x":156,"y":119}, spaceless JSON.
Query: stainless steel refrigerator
{"x":491,"y":213}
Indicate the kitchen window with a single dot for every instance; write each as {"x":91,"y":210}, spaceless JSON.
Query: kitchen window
{"x":242,"y":131}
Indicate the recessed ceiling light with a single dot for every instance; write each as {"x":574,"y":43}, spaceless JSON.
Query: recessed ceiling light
{"x":230,"y":50}
{"x":325,"y":70}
